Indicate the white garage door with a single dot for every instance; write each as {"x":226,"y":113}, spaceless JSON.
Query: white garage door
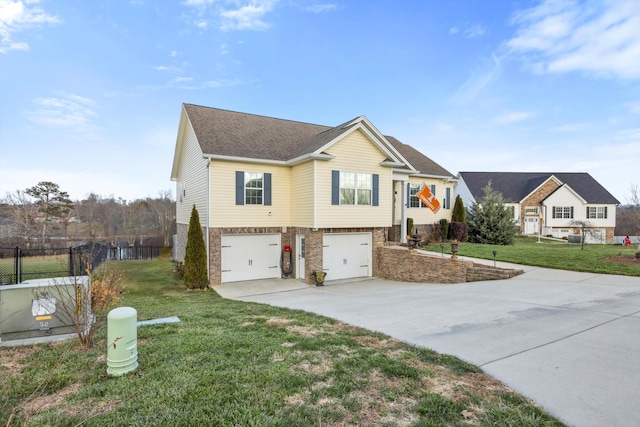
{"x":250,"y":257}
{"x":346,"y":255}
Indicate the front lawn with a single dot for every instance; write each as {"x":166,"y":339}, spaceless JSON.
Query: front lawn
{"x":607,"y":259}
{"x":230,"y":363}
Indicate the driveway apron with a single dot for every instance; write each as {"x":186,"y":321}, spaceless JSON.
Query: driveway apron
{"x":569,"y":341}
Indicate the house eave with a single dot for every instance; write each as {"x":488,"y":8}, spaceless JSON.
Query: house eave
{"x":290,"y":162}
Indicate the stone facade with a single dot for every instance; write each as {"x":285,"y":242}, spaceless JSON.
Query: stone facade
{"x":403,"y":265}
{"x":536,"y":198}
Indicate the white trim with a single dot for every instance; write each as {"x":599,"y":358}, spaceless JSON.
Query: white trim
{"x":291,"y":162}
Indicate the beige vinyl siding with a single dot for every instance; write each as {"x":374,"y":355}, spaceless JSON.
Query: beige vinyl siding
{"x":225,"y":212}
{"x":192,"y":177}
{"x":423,"y":215}
{"x":302,"y":195}
{"x":354,"y":153}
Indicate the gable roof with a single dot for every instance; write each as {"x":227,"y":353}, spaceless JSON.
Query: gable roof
{"x":515,"y":186}
{"x":242,"y":135}
{"x":419,"y":161}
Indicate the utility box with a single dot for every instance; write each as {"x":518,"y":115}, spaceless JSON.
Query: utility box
{"x":122,"y":340}
{"x":32,"y":309}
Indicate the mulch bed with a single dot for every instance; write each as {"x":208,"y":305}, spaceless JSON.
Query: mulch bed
{"x":629,"y":260}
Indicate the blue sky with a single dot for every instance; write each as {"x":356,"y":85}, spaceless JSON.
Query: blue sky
{"x":91,"y":91}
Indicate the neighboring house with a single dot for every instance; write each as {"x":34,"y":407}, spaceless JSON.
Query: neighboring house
{"x":263,"y":185}
{"x":548,"y":203}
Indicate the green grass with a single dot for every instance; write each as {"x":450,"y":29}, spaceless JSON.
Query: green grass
{"x":230,"y":363}
{"x":36,"y":267}
{"x":553,"y":254}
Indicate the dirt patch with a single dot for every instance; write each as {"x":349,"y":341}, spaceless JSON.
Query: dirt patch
{"x":305,"y":331}
{"x":376,"y":342}
{"x":42,"y":403}
{"x":627,"y":260}
{"x":275,"y":321}
{"x":11,"y":358}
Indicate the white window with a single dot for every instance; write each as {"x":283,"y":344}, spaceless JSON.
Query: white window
{"x":252,"y":188}
{"x":355,"y":188}
{"x":563,"y":212}
{"x":531,"y":210}
{"x":597,"y":212}
{"x":414,"y":202}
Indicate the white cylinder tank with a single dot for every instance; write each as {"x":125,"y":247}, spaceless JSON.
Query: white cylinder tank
{"x":122,"y":340}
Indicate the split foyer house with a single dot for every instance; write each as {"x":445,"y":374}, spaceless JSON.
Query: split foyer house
{"x":548,"y":203}
{"x":274,"y":193}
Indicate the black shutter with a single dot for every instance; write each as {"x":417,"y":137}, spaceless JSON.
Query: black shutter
{"x":605,"y":212}
{"x":376,"y":189}
{"x":408,"y":194}
{"x":239,"y":188}
{"x":553,"y":212}
{"x":571,"y":212}
{"x":335,"y":187}
{"x":267,"y":189}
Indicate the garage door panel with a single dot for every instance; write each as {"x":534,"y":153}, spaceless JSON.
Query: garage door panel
{"x":250,"y":257}
{"x":347,"y":255}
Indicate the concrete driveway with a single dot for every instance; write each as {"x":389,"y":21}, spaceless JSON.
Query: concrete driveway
{"x":569,"y":341}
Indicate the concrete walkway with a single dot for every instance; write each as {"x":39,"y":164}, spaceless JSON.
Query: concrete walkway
{"x":570,"y":341}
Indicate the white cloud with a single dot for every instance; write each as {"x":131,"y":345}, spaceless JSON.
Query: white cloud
{"x":474,"y":31}
{"x":66,"y":110}
{"x":17,"y":16}
{"x":477,"y":82}
{"x":598,"y":38}
{"x":509,"y":117}
{"x":247,"y":17}
{"x":634,"y":107}
{"x":469,"y":32}
{"x":571,"y":127}
{"x":322,"y":7}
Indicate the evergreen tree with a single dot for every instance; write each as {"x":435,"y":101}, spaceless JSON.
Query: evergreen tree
{"x":490,"y":221}
{"x":195,"y":258}
{"x":458,"y":214}
{"x":52,"y":204}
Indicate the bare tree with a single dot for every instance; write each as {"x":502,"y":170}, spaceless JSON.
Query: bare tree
{"x":586,"y":229}
{"x":23,"y":213}
{"x":634,"y":201}
{"x":164,"y":209}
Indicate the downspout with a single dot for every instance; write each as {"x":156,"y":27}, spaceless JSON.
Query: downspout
{"x":315,"y":196}
{"x":403,"y":216}
{"x":207,"y":225}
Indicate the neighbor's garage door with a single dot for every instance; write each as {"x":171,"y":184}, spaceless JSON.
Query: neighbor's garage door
{"x":346,"y":255}
{"x":250,"y":257}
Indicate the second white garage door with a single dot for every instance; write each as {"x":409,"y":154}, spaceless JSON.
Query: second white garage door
{"x":346,"y":255}
{"x":250,"y":257}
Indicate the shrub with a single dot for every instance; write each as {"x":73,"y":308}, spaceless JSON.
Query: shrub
{"x":458,"y":231}
{"x":459,"y":214}
{"x":195,"y":258}
{"x":444,"y":229}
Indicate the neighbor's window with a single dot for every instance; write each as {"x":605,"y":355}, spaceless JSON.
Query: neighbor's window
{"x":563,"y":212}
{"x":597,"y":212}
{"x":355,"y":188}
{"x":253,"y":188}
{"x":531,"y":210}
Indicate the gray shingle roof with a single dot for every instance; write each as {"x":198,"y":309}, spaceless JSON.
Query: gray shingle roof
{"x":515,"y":186}
{"x":234,"y":134}
{"x":419,"y":161}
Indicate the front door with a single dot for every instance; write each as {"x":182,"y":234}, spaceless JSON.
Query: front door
{"x":531,"y":225}
{"x":300,"y":256}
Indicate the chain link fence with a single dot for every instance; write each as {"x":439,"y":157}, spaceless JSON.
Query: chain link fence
{"x":18,"y":265}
